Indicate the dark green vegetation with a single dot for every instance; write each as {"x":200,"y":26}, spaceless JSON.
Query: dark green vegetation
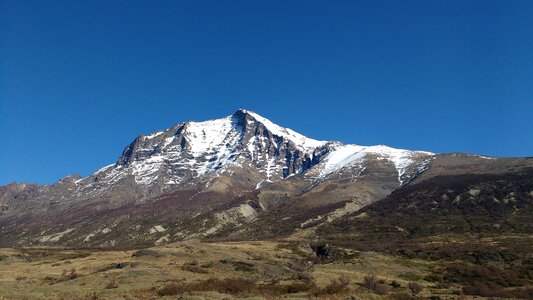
{"x":477,"y":227}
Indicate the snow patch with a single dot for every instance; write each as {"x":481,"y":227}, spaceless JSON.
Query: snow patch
{"x":349,"y":155}
{"x":295,"y":137}
{"x":208,"y":136}
{"x":152,"y":135}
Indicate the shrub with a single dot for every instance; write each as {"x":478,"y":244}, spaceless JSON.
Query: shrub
{"x":395,"y":284}
{"x":243,"y":266}
{"x":112,"y":284}
{"x":93,"y":296}
{"x":194,"y":269}
{"x":494,"y":290}
{"x":369,"y":282}
{"x":207,"y":265}
{"x":65,"y":276}
{"x":381,"y":289}
{"x":374,"y":284}
{"x":414,"y":287}
{"x":337,"y":286}
{"x":169,"y":290}
{"x":244,"y":287}
{"x":73,"y":295}
{"x":73,"y":274}
{"x":494,"y":275}
{"x":405,"y":296}
{"x":486,"y":290}
{"x":234,"y":286}
{"x":293,"y":288}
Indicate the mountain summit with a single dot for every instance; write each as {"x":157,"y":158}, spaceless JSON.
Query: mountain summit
{"x":238,"y":176}
{"x":190,"y":151}
{"x":193,"y":149}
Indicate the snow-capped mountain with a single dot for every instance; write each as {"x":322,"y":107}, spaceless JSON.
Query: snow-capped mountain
{"x":239,"y":152}
{"x":190,"y":152}
{"x":240,"y":175}
{"x":193,"y":149}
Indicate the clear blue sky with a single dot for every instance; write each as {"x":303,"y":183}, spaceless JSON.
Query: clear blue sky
{"x":79,"y":80}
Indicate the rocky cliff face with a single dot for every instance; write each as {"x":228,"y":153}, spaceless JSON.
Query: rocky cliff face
{"x":190,"y":153}
{"x":194,"y":149}
{"x":234,"y":176}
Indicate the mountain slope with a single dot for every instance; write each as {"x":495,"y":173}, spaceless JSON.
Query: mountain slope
{"x":480,"y":205}
{"x":237,"y":177}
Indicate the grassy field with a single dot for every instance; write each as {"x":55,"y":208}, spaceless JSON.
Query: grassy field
{"x":197,"y":270}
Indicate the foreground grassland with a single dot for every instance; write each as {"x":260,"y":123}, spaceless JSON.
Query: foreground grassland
{"x":197,"y":270}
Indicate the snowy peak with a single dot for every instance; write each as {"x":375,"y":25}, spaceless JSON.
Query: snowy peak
{"x":207,"y":137}
{"x":243,"y":141}
{"x":289,"y":134}
{"x":192,"y":149}
{"x":341,"y":156}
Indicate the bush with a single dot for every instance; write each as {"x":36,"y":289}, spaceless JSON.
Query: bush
{"x":72,"y":295}
{"x":73,"y":274}
{"x":381,"y":289}
{"x":69,"y":275}
{"x":244,"y":287}
{"x":374,"y":284}
{"x":486,"y":290}
{"x":169,"y":290}
{"x":336,"y":286}
{"x":494,"y":290}
{"x":243,"y":266}
{"x":414,"y":287}
{"x":405,"y":296}
{"x":494,"y":275}
{"x":234,"y":286}
{"x":370,"y":282}
{"x":194,"y":269}
{"x":395,"y":284}
{"x":112,"y":284}
{"x":293,"y":288}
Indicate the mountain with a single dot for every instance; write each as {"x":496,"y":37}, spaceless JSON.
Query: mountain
{"x":479,"y":206}
{"x":238,"y":177}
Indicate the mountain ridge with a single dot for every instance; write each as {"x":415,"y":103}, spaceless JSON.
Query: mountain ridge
{"x":239,"y":120}
{"x":240,"y":176}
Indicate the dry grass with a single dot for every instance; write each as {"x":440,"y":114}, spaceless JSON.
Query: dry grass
{"x":238,"y":269}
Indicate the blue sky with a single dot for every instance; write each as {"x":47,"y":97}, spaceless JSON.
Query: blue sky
{"x":79,"y":80}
